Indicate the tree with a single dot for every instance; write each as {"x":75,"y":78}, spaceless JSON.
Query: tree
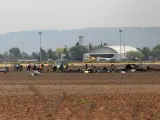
{"x":35,"y":55}
{"x":5,"y":56}
{"x":15,"y":52}
{"x":44,"y":54}
{"x":65,"y":50}
{"x":1,"y":55}
{"x":67,"y":55}
{"x":77,"y":52}
{"x":77,"y":44}
{"x":24,"y":55}
{"x":90,"y":47}
{"x":132,"y":55}
{"x":146,"y":52}
{"x":59,"y":51}
{"x":51,"y":54}
{"x":156,"y":51}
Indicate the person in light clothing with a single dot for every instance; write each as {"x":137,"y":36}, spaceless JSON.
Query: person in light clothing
{"x":6,"y":66}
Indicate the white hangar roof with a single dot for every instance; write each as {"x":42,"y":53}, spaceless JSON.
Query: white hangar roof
{"x":124,"y":49}
{"x":112,"y":49}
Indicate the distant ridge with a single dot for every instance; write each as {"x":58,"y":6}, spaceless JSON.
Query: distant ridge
{"x":28,"y":41}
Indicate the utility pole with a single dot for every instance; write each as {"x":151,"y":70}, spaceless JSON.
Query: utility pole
{"x":120,"y":31}
{"x":89,"y":47}
{"x":40,"y":55}
{"x":125,"y":51}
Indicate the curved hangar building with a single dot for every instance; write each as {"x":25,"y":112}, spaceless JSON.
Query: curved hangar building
{"x":109,"y":52}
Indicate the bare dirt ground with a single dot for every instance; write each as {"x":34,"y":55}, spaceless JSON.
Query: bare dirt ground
{"x":78,"y":96}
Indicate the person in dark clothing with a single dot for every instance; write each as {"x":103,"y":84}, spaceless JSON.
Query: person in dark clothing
{"x":21,"y":68}
{"x":61,"y":67}
{"x":112,"y":68}
{"x":86,"y":66}
{"x":29,"y":67}
{"x":104,"y":69}
{"x":34,"y":67}
{"x":54,"y":68}
{"x":67,"y":67}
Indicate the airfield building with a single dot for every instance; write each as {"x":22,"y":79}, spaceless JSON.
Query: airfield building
{"x":109,"y":52}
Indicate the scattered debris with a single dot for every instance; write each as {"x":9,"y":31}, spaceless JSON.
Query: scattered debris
{"x":4,"y":70}
{"x":49,"y":115}
{"x":35,"y":73}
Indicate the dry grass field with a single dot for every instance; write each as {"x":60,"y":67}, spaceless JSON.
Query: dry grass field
{"x":78,"y":96}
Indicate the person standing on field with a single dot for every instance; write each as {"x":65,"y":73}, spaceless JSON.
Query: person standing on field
{"x":42,"y":66}
{"x":86,"y":66}
{"x":21,"y":68}
{"x":17,"y":67}
{"x":61,"y":67}
{"x":6,"y":66}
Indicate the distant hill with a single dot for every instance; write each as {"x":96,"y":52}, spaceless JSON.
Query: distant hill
{"x":28,"y":41}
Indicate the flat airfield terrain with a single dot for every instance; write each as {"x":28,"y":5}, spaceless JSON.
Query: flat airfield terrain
{"x":79,"y":96}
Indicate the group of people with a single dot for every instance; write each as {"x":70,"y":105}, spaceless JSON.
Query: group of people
{"x":15,"y":67}
{"x":19,"y":67}
{"x":35,"y":67}
{"x":62,"y":67}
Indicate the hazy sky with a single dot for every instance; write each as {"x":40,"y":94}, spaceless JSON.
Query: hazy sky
{"x":22,"y":15}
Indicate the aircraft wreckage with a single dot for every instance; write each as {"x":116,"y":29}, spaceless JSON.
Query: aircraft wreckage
{"x":35,"y":73}
{"x":123,"y":69}
{"x":126,"y":68}
{"x":4,"y":70}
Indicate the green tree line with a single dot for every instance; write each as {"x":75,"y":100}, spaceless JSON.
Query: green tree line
{"x":146,"y":53}
{"x":74,"y":53}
